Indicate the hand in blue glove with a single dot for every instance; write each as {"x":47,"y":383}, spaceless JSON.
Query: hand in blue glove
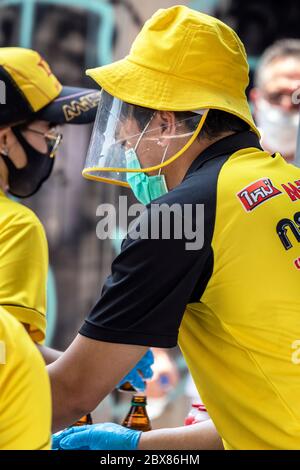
{"x":141,"y":371}
{"x":105,"y":436}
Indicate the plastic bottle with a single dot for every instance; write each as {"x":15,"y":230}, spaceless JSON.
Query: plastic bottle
{"x":197,"y":414}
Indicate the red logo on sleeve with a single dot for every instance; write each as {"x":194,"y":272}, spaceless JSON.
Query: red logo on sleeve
{"x":292,"y":191}
{"x":257,"y":193}
{"x":297,"y":263}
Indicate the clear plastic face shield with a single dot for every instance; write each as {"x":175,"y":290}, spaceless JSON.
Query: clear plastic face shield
{"x":128,"y":140}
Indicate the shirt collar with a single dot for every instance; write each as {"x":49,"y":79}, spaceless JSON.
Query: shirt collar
{"x":227,"y":145}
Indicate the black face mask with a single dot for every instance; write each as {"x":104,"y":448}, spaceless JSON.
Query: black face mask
{"x":26,"y":181}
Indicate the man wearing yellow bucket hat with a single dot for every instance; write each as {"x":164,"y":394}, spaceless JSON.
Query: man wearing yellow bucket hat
{"x":173,"y":124}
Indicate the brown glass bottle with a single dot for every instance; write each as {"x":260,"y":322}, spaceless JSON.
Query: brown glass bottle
{"x":87,"y":419}
{"x":137,"y":418}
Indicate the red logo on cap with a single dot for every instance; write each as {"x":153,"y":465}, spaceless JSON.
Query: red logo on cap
{"x":257,"y":193}
{"x":43,"y":64}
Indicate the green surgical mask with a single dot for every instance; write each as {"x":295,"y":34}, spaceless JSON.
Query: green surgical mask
{"x":145,"y":188}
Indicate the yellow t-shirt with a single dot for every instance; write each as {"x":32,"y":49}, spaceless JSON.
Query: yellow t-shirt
{"x":25,"y":397}
{"x":23,"y":266}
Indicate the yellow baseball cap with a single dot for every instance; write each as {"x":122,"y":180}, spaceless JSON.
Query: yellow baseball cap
{"x":31,"y":91}
{"x":182,"y":60}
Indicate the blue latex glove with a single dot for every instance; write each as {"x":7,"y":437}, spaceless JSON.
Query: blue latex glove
{"x":144,"y":367}
{"x":105,"y":436}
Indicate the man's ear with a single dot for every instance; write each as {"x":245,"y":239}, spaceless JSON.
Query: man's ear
{"x":4,"y":133}
{"x":167,"y":124}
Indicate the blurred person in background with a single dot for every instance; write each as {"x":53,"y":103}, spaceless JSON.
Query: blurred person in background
{"x":276,"y":97}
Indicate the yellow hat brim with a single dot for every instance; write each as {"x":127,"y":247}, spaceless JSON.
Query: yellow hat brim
{"x":142,"y":86}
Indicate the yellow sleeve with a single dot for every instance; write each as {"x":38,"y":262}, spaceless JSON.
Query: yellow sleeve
{"x":25,"y":405}
{"x":23,"y":270}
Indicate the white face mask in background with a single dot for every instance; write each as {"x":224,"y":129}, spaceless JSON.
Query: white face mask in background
{"x":278,"y":128}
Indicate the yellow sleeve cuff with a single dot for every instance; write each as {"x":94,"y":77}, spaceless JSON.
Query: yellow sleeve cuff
{"x":36,"y":320}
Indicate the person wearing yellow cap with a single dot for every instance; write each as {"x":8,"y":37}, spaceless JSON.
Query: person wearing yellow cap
{"x":222,"y":281}
{"x":33,"y":103}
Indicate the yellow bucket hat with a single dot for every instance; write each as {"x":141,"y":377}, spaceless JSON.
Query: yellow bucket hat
{"x":182,"y":60}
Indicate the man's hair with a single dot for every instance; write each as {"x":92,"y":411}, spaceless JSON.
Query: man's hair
{"x":281,"y":49}
{"x":217,"y":122}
